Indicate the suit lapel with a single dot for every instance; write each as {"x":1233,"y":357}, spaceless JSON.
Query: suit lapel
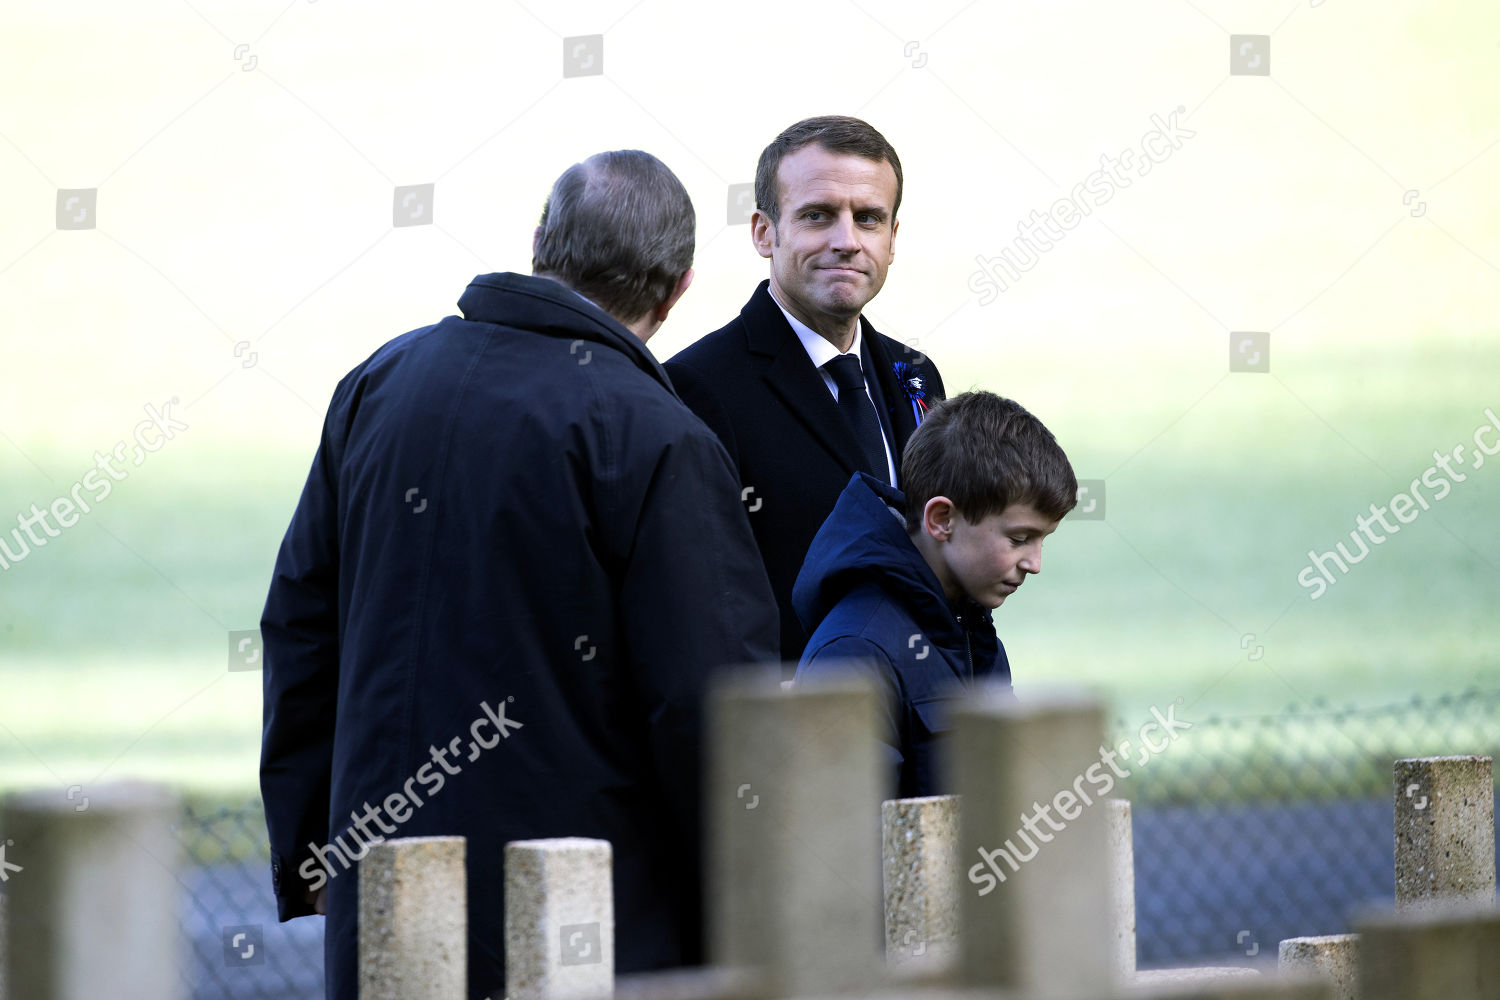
{"x":791,"y":377}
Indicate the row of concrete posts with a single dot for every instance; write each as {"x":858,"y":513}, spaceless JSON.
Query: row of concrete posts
{"x":1021,"y":886}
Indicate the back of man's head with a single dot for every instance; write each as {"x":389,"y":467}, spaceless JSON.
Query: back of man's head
{"x":984,"y":453}
{"x":835,"y":133}
{"x":618,"y":229}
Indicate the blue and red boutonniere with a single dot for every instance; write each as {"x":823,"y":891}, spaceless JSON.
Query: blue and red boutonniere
{"x":916,"y":388}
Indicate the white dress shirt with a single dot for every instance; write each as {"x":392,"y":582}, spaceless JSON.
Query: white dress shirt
{"x":821,"y":352}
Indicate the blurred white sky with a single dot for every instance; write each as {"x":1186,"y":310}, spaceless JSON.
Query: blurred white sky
{"x":240,"y":204}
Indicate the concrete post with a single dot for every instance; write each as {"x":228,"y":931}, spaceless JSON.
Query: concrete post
{"x":1035,"y":905}
{"x":1445,"y":830}
{"x":1215,"y":984}
{"x":1438,"y":951}
{"x":414,"y":920}
{"x":1332,"y":958}
{"x":559,"y":919}
{"x":93,"y":892}
{"x":1121,"y":833}
{"x":919,"y":847}
{"x":700,"y":983}
{"x":795,"y":782}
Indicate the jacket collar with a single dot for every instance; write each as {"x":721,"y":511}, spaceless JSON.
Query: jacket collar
{"x":792,"y":377}
{"x":552,"y":308}
{"x":769,"y":332}
{"x":864,"y":541}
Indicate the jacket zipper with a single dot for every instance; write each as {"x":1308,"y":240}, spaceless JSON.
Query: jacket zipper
{"x":968,"y":649}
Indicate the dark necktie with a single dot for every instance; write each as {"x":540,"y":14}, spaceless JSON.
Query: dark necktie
{"x":854,"y":404}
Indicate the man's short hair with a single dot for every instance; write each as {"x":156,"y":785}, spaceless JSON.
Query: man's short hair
{"x":836,"y":134}
{"x":985,"y":452}
{"x":618,"y":229}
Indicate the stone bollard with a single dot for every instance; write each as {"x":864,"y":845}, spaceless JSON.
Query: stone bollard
{"x":697,"y":983}
{"x":414,"y":920}
{"x":1034,"y":907}
{"x":1439,"y":951}
{"x":1122,"y":885}
{"x":1220,"y":984}
{"x":1192,"y":976}
{"x":1332,"y":958}
{"x":1445,"y":830}
{"x":559,"y":919}
{"x":919,"y":847}
{"x":795,"y":782}
{"x":92,"y":878}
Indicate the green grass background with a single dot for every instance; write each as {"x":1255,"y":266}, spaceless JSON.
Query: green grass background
{"x":115,"y":633}
{"x":256,"y":206}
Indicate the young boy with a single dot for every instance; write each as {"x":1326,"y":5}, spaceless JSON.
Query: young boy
{"x":906,"y":585}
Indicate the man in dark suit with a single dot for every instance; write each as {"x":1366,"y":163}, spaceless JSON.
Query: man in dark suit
{"x":494,"y":611}
{"x":800,"y":387}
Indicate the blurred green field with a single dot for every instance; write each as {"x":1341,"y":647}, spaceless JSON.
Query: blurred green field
{"x":114,"y":635}
{"x":245,"y":259}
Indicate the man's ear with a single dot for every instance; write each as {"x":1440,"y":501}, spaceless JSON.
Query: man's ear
{"x":762,"y":232}
{"x":895,"y":225}
{"x":683,"y":282}
{"x":937,"y":519}
{"x":536,"y":237}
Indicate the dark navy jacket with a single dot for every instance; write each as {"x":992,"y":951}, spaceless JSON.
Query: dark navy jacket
{"x":753,"y":383}
{"x":865,"y":593}
{"x":510,"y":516}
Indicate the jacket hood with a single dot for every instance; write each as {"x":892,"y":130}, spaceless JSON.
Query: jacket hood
{"x":864,"y":541}
{"x":510,"y":299}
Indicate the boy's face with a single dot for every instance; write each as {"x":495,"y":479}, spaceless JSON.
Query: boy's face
{"x":988,"y":560}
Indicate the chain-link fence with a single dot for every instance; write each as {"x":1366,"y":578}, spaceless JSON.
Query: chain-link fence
{"x":1251,"y":830}
{"x":1247,"y":831}
{"x":236,"y":948}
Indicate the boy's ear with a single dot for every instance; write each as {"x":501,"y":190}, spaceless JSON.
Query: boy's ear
{"x":937,"y":518}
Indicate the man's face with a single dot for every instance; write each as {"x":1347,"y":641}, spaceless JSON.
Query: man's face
{"x":836,"y":238}
{"x":988,"y":560}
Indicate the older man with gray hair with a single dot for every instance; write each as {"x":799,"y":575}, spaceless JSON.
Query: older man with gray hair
{"x":515,"y":561}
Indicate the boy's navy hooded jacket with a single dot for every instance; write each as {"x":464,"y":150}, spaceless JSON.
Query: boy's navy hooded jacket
{"x":865,"y":593}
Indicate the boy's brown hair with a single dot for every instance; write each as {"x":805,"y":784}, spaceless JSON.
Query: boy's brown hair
{"x":985,"y":452}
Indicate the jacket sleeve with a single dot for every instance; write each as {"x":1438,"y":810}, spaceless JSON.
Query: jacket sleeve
{"x":299,"y":632}
{"x":694,"y":599}
{"x":837,"y":657}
